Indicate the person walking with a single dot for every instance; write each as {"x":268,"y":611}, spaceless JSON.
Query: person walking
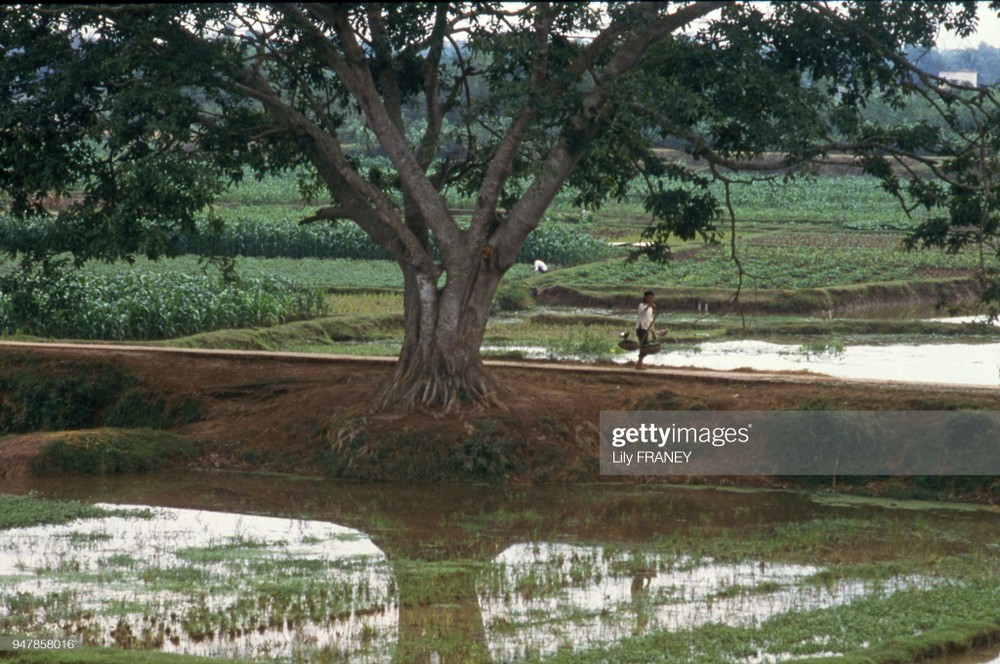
{"x":644,"y":323}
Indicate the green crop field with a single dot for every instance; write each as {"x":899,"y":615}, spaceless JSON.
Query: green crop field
{"x":805,"y":234}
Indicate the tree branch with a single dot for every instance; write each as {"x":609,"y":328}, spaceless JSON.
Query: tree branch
{"x":432,"y":90}
{"x":363,"y":203}
{"x":327,"y":214}
{"x":560,"y":161}
{"x":357,"y":78}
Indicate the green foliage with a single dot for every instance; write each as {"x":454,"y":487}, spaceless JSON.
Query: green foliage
{"x":560,"y":245}
{"x":40,"y":398}
{"x":781,"y":267}
{"x":37,"y":396}
{"x":272,"y":233}
{"x":854,"y":201}
{"x":685,"y":212}
{"x":31,"y":510}
{"x":107,"y":452}
{"x":513,"y":297}
{"x":141,"y":305}
{"x":584,"y":342}
{"x":247,"y":233}
{"x":823,"y":347}
{"x":487,"y":456}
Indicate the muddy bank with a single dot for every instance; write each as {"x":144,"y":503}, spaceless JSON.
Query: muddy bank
{"x":308,"y":414}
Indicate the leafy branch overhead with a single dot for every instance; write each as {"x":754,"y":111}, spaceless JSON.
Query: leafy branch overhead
{"x":136,"y":116}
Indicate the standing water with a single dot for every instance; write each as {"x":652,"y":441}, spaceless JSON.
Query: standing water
{"x":242,"y":566}
{"x":957,"y":363}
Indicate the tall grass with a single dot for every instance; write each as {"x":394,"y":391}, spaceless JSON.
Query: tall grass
{"x":278,"y":233}
{"x":140,"y":305}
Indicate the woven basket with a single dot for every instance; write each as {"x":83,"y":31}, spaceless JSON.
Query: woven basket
{"x":648,"y":349}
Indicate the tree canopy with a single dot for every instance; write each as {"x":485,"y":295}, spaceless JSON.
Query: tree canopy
{"x":143,"y":113}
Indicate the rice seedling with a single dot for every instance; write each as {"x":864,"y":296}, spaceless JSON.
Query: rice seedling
{"x":229,"y":585}
{"x":823,"y":348}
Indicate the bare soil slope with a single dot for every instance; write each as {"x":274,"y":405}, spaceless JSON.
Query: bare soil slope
{"x":308,"y":413}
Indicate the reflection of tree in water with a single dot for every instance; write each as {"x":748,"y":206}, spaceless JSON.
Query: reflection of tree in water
{"x":439,"y":615}
{"x":440,"y":609}
{"x":439,"y":539}
{"x":641,"y":602}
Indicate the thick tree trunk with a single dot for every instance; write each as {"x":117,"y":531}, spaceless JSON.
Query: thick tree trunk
{"x":439,"y":366}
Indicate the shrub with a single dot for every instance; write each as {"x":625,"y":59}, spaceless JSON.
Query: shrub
{"x":38,"y":396}
{"x":513,"y":297}
{"x":107,"y":452}
{"x":486,"y":456}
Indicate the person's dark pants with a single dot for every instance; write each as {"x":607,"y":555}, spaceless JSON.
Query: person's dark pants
{"x":643,"y":336}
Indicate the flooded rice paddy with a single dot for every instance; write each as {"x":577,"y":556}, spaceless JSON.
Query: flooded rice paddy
{"x":608,"y":598}
{"x":241,"y":566}
{"x":954,"y":363}
{"x":201,"y":582}
{"x":973,"y":364}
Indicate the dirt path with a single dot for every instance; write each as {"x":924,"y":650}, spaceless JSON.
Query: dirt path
{"x":791,"y":378}
{"x":276,"y":410}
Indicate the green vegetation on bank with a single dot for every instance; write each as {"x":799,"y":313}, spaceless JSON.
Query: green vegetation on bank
{"x":111,"y":451}
{"x":133,"y":304}
{"x":788,"y":267}
{"x":55,"y":396}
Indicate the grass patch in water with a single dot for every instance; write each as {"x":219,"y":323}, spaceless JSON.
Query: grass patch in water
{"x":865,"y":630}
{"x":24,"y":511}
{"x":178,"y":579}
{"x":90,"y":655}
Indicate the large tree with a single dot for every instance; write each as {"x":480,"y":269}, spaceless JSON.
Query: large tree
{"x":146,"y":112}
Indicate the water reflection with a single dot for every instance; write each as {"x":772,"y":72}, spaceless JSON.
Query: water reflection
{"x":985,"y":655}
{"x":203,"y":583}
{"x":570,"y":597}
{"x":951,"y":363}
{"x":966,"y":320}
{"x":958,"y":363}
{"x":450,"y":573}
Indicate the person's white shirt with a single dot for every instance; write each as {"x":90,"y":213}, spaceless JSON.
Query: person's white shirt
{"x":540,"y":266}
{"x":645,"y":318}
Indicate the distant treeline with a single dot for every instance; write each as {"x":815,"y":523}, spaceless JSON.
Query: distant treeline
{"x":984,"y":60}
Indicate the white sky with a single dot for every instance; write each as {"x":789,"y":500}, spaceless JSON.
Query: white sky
{"x":989,"y":32}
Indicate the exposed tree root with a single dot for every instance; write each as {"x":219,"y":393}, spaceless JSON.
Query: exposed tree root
{"x":435,"y":388}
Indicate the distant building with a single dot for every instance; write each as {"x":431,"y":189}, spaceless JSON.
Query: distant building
{"x":962,"y":76}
